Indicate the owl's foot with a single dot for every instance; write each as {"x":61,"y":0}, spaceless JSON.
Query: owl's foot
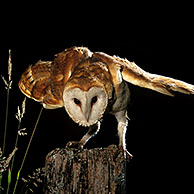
{"x":74,"y":144}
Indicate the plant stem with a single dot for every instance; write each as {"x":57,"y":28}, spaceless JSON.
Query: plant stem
{"x":6,"y":117}
{"x":23,"y":188}
{"x":12,"y":163}
{"x":27,"y":149}
{"x":16,"y":143}
{"x":5,"y":132}
{"x":9,"y":180}
{"x":1,"y":175}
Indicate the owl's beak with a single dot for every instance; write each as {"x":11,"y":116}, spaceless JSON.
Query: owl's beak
{"x":86,"y":110}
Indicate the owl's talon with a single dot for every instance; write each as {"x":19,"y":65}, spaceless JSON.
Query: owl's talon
{"x":74,"y":144}
{"x":127,"y":155}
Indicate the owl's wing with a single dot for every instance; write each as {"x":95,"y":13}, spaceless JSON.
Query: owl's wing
{"x":36,"y":83}
{"x":45,"y":80}
{"x":137,"y":76}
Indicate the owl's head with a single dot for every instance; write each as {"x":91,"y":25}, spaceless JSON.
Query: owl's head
{"x":85,"y":107}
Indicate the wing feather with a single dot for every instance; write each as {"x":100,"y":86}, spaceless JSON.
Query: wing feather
{"x":135,"y":75}
{"x":34,"y":80}
{"x":36,"y":83}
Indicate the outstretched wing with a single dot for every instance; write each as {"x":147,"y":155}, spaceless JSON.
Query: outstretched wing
{"x":36,"y":83}
{"x":137,"y":76}
{"x":45,"y":80}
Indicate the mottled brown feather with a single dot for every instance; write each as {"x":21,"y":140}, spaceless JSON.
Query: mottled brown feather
{"x":88,"y":74}
{"x":34,"y":80}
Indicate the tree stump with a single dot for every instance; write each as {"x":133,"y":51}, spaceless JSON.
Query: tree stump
{"x":98,"y":170}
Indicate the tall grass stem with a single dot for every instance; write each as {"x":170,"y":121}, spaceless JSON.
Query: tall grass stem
{"x":6,"y":118}
{"x":7,"y":87}
{"x":27,"y":149}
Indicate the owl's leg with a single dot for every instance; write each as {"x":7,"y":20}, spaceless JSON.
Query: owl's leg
{"x":92,"y":131}
{"x":122,"y":128}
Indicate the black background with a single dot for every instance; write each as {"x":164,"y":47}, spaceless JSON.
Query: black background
{"x":158,"y":38}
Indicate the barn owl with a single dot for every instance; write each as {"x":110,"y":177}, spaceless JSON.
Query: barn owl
{"x":88,"y":84}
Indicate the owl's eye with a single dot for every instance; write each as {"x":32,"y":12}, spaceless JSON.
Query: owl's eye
{"x":94,"y":100}
{"x":76,"y":101}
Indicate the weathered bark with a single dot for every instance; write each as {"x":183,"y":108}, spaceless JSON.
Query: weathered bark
{"x":85,"y":171}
